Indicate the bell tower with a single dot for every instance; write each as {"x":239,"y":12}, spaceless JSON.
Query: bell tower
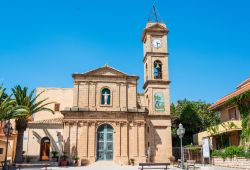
{"x":156,"y":80}
{"x":156,"y":88}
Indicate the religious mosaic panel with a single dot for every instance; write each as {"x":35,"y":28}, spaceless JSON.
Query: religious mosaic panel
{"x":159,"y":102}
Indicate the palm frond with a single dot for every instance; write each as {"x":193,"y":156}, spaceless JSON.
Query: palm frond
{"x":29,"y":101}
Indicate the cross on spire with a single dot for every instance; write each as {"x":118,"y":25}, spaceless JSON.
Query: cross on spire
{"x":154,"y":15}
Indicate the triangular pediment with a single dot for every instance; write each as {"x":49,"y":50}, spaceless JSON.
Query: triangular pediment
{"x":105,"y":71}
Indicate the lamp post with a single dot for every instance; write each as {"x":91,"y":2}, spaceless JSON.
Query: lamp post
{"x":180,"y":133}
{"x":7,"y":131}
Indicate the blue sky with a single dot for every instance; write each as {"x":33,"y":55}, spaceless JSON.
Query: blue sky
{"x":43,"y":42}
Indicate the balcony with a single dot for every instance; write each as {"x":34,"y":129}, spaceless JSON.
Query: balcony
{"x":224,"y":127}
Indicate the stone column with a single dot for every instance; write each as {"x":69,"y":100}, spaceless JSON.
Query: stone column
{"x":142,"y":146}
{"x":92,"y":95}
{"x":83,"y":140}
{"x":124,"y":143}
{"x":123,"y":96}
{"x":119,"y":94}
{"x":76,"y":95}
{"x":66,"y":137}
{"x":83,"y":95}
{"x":117,"y":148}
{"x":134,"y":140}
{"x":88,"y":92}
{"x":92,"y":142}
{"x":73,"y":138}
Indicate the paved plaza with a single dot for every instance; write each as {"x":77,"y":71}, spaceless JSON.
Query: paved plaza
{"x":123,"y":168}
{"x":112,"y":166}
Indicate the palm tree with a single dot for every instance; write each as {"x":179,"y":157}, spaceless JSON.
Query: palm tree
{"x":8,"y":108}
{"x":22,"y":98}
{"x":3,"y":94}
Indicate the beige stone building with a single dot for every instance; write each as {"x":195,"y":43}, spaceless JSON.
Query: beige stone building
{"x":103,"y":117}
{"x":228,"y":132}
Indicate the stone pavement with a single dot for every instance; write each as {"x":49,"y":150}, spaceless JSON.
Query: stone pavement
{"x":107,"y":165}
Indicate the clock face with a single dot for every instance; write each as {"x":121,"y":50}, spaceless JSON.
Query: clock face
{"x":156,"y":43}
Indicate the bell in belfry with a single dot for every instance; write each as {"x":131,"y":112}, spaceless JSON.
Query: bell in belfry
{"x":157,"y":66}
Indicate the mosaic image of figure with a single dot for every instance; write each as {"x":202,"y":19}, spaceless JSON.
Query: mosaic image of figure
{"x":159,"y":102}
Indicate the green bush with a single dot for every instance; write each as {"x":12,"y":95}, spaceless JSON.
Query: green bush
{"x":247,"y":155}
{"x":230,"y":152}
{"x":217,"y":153}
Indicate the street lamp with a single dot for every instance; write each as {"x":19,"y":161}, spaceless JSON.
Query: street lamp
{"x":7,"y":131}
{"x":180,"y":133}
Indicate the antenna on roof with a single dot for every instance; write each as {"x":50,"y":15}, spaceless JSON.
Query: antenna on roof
{"x":154,"y":15}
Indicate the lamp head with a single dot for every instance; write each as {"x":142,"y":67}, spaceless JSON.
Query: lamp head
{"x":180,"y":131}
{"x":8,"y":128}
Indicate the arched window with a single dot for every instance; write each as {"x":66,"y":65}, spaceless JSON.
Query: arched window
{"x":105,"y":96}
{"x":157,"y":69}
{"x":146,"y":66}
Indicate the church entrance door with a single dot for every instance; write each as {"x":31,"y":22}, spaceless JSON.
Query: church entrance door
{"x":105,"y":142}
{"x":45,"y":149}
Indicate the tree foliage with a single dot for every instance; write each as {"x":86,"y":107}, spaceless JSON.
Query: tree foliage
{"x":3,"y":94}
{"x":195,"y":117}
{"x":8,"y":107}
{"x":243,"y":103}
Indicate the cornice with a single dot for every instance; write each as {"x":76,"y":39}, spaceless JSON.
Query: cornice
{"x":75,"y":76}
{"x":156,"y":54}
{"x":76,"y":109}
{"x":159,"y":116}
{"x":156,"y":82}
{"x":153,"y":31}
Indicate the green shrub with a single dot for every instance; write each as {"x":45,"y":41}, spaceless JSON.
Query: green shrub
{"x":247,"y":155}
{"x":231,"y":151}
{"x":217,"y":153}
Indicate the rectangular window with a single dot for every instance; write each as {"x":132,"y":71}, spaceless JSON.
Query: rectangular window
{"x":57,"y":107}
{"x":1,"y":151}
{"x":232,"y":114}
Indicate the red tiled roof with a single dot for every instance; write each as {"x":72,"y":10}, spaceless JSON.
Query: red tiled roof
{"x":243,"y":87}
{"x":246,"y":82}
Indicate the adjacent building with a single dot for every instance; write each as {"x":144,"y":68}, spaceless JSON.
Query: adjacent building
{"x":11,"y":143}
{"x":228,"y":132}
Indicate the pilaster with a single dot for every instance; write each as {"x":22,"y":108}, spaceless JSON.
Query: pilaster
{"x":142,"y":146}
{"x":66,"y":136}
{"x":92,"y":141}
{"x":83,"y":140}
{"x":124,"y":142}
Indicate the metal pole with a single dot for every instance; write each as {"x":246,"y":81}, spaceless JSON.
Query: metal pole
{"x":181,"y":155}
{"x":5,"y":167}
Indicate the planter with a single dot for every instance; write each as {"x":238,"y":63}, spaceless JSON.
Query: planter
{"x":76,"y":162}
{"x":63,"y":162}
{"x":54,"y":159}
{"x":84,"y":162}
{"x":54,"y":164}
{"x":132,"y":162}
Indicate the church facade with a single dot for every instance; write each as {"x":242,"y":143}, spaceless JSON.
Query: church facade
{"x":103,"y":117}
